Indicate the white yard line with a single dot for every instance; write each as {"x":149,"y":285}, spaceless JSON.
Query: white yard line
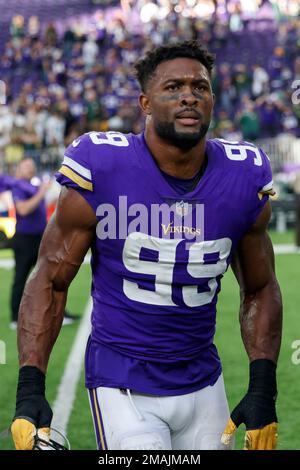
{"x":283,"y":249}
{"x":66,"y":393}
{"x":7,"y":263}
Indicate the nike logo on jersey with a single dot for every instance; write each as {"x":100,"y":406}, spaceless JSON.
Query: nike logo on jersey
{"x":76,"y":142}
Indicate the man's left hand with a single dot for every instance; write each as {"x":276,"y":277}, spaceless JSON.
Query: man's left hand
{"x":256,"y":410}
{"x":259,"y":415}
{"x":259,"y":438}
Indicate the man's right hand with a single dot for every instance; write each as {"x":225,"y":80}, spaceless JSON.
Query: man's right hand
{"x":33,"y":413}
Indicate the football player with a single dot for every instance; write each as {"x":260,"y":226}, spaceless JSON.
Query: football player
{"x":165,"y":214}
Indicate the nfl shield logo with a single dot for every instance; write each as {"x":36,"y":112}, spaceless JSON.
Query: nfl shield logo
{"x":182,"y":208}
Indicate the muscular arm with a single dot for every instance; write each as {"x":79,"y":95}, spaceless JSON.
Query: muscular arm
{"x":260,"y":319}
{"x":67,"y":238}
{"x":261,"y":306}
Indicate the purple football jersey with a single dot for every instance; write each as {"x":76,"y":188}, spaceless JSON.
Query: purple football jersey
{"x":159,"y":256}
{"x":35,"y":222}
{"x":7,"y":183}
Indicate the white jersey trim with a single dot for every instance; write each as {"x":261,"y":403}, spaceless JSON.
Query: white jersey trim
{"x":267,"y":187}
{"x":81,"y":170}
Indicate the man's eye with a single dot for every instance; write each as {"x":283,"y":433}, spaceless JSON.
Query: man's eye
{"x":172,"y":87}
{"x":201,"y":87}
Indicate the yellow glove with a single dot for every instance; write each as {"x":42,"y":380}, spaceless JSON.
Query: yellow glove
{"x":255,"y":439}
{"x":32,"y":410}
{"x":257,"y":410}
{"x":24,"y":433}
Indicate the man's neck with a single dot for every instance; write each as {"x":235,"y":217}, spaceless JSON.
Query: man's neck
{"x":172,"y":160}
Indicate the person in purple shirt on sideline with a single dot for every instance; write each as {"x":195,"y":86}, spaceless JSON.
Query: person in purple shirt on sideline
{"x":31,"y":223}
{"x":165,"y":213}
{"x":7,"y":182}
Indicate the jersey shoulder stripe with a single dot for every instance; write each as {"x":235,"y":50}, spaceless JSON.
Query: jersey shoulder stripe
{"x":81,"y":182}
{"x":76,"y":172}
{"x":267,"y":187}
{"x":268,"y":190}
{"x":80,"y":169}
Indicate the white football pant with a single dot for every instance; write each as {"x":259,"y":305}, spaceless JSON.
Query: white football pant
{"x":128,"y":420}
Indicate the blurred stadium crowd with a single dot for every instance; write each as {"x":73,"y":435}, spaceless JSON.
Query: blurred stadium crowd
{"x":75,"y":74}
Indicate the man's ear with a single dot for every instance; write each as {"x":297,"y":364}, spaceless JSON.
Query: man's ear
{"x":145,"y":104}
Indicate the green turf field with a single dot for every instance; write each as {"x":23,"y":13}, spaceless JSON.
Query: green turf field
{"x":77,"y":300}
{"x":228,"y":340}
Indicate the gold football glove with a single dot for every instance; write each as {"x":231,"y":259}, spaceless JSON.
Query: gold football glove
{"x":255,"y":439}
{"x":257,"y":409}
{"x":32,"y":410}
{"x":24,"y":434}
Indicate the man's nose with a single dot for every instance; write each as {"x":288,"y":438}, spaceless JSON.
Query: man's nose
{"x":188,"y":98}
